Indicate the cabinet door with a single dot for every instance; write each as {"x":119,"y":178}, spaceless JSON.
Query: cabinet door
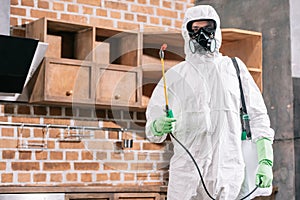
{"x":137,"y":196}
{"x":63,"y":81}
{"x":118,"y":86}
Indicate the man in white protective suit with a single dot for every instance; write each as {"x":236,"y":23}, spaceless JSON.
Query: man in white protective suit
{"x":204,"y":96}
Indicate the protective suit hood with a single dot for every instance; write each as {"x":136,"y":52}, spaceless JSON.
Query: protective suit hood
{"x":201,"y":12}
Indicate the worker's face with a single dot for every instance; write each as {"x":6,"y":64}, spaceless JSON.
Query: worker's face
{"x":199,"y":24}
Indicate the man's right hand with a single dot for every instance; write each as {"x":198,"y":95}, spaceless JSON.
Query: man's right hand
{"x":163,"y":125}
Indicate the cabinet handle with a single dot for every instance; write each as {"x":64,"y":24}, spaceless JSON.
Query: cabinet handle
{"x":69,"y":93}
{"x":117,"y":96}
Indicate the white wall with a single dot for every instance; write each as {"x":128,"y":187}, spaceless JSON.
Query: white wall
{"x":4,"y":17}
{"x":295,"y":37}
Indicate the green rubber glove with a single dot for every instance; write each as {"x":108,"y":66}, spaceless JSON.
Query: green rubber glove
{"x":264,"y":175}
{"x":163,"y":125}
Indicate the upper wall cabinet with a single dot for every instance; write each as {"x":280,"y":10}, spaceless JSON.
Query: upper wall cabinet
{"x":112,"y":67}
{"x":87,"y":65}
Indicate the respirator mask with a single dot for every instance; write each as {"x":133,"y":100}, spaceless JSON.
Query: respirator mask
{"x":203,"y":39}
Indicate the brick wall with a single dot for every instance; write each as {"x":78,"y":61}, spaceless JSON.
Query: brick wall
{"x":95,"y":160}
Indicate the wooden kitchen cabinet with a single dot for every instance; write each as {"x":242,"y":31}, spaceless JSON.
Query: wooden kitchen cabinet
{"x":118,"y":85}
{"x":247,"y":45}
{"x":63,"y":81}
{"x":137,"y":196}
{"x":66,"y":40}
{"x":122,"y":47}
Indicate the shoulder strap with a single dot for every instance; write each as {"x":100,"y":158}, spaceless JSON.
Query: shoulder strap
{"x":246,"y":132}
{"x":240,"y":82}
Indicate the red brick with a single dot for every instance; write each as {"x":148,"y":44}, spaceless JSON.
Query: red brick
{"x":56,"y":155}
{"x":27,"y":3}
{"x":115,"y":176}
{"x":101,"y":177}
{"x":116,"y":5}
{"x":74,"y":18}
{"x":166,"y":22}
{"x":33,"y":120}
{"x":141,"y":18}
{"x":7,"y":143}
{"x":73,"y":8}
{"x":86,"y":166}
{"x":87,"y":155}
{"x":115,"y":15}
{"x":154,"y":156}
{"x":14,"y":2}
{"x":8,"y":132}
{"x":71,"y":155}
{"x":129,"y":16}
{"x":56,"y":121}
{"x":43,"y":155}
{"x":25,"y":155}
{"x":7,"y":154}
{"x":142,"y":1}
{"x":152,"y":146}
{"x":115,"y":156}
{"x":18,"y":11}
{"x":115,"y":166}
{"x":41,"y":13}
{"x":142,"y":176}
{"x":56,"y":166}
{"x":142,"y":9}
{"x":58,"y":6}
{"x":129,"y":176}
{"x":13,"y":22}
{"x":25,"y":166}
{"x":90,"y":2}
{"x":128,"y":26}
{"x":167,"y":4}
{"x":155,"y":176}
{"x":154,"y":2}
{"x":101,"y":155}
{"x":86,"y":177}
{"x":56,"y":177}
{"x":142,"y":156}
{"x":7,"y":178}
{"x":24,"y":177}
{"x":2,"y":165}
{"x":71,"y":145}
{"x":40,"y":177}
{"x":43,"y":4}
{"x":178,"y":6}
{"x":128,"y":156}
{"x":166,"y":13}
{"x":71,"y":177}
{"x":141,"y":166}
{"x":87,"y":10}
{"x":101,"y":22}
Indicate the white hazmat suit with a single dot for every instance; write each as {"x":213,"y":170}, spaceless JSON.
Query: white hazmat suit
{"x":205,"y":98}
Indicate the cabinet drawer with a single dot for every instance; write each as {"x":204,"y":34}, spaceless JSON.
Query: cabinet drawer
{"x":63,"y":81}
{"x":118,"y":85}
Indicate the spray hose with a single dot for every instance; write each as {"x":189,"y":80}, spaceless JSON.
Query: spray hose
{"x":169,"y":113}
